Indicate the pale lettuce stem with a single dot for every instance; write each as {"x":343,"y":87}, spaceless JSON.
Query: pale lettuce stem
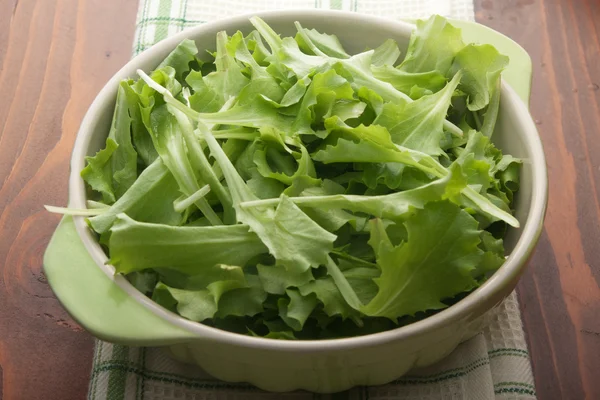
{"x":228,"y":104}
{"x":242,"y":136}
{"x":202,"y":204}
{"x":172,"y":101}
{"x":82,"y":212}
{"x":304,"y":200}
{"x":208,"y":212}
{"x":180,"y":205}
{"x":96,"y":204}
{"x":333,"y":201}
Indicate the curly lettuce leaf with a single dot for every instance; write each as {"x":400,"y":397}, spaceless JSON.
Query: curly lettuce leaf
{"x":330,"y":297}
{"x":311,"y":41}
{"x":385,"y":54}
{"x":432,"y":47}
{"x":180,"y":58}
{"x":276,"y":280}
{"x":98,"y":172}
{"x":406,"y":82}
{"x":481,"y":66}
{"x":419,"y":125}
{"x":296,"y":308}
{"x":434,"y":264}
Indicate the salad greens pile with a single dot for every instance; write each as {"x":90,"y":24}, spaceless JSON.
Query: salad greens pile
{"x":290,"y":190}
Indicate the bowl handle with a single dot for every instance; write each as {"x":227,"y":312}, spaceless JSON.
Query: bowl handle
{"x":95,"y":301}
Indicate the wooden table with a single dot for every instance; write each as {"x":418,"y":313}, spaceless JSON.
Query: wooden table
{"x":55,"y":55}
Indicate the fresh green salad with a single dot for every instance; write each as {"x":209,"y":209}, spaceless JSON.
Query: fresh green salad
{"x":288,"y":189}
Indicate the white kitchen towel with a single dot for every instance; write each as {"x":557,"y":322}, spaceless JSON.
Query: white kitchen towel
{"x":158,"y":19}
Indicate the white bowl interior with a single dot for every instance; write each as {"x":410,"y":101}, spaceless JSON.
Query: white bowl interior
{"x":515,"y":134}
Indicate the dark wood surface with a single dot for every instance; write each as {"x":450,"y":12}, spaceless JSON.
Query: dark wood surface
{"x":560,"y":294}
{"x":56,"y":54}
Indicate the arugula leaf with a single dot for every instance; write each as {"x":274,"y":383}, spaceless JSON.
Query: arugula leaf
{"x":205,"y":98}
{"x":212,"y":91}
{"x":200,"y":163}
{"x":331,"y":219}
{"x":357,"y":69}
{"x":361,"y":279}
{"x":373,"y":101}
{"x":257,"y":113}
{"x":260,"y":77}
{"x":374,"y":143}
{"x":202,"y":280}
{"x":194,"y":305}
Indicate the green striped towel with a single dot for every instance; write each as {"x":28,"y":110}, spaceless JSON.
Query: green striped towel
{"x":492,"y":365}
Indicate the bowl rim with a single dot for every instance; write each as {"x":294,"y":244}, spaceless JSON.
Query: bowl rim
{"x":508,"y":272}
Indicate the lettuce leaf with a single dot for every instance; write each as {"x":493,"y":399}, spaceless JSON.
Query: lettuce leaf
{"x":135,"y":246}
{"x":435,"y":263}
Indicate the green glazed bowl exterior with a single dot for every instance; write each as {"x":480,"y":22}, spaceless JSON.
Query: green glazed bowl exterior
{"x":111,"y":309}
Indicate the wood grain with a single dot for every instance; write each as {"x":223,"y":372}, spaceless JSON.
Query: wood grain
{"x":55,"y":55}
{"x":560,"y":294}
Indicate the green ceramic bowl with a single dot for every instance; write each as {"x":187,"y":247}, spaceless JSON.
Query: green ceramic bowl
{"x":111,"y":309}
